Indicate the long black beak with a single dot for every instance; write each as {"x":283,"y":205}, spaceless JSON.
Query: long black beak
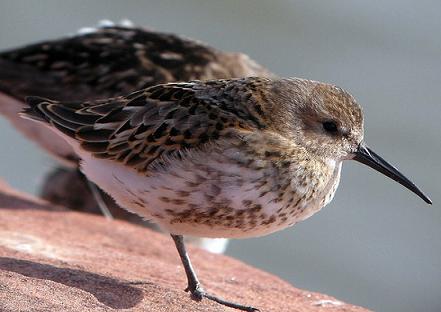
{"x":368,"y":157}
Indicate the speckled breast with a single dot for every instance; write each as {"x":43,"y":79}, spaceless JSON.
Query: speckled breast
{"x":212,"y":194}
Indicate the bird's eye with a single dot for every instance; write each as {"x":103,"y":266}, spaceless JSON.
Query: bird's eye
{"x":330,"y":127}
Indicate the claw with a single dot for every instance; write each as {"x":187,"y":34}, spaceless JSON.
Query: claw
{"x":195,"y":287}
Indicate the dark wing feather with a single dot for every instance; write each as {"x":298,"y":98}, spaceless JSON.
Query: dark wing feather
{"x":158,"y":121}
{"x":114,"y":61}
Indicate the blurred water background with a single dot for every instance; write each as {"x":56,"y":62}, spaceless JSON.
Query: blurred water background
{"x":376,"y":245}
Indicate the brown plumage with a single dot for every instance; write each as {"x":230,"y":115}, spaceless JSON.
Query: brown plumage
{"x":115,"y":60}
{"x":271,"y":128}
{"x":107,"y":62}
{"x":163,"y":119}
{"x":167,"y":119}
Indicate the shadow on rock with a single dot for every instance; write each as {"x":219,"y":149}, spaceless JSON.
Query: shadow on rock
{"x":15,"y":201}
{"x":111,"y":292}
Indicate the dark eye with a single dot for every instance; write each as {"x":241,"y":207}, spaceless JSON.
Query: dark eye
{"x":330,"y":127}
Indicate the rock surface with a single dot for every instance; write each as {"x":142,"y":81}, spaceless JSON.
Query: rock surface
{"x":53,"y":259}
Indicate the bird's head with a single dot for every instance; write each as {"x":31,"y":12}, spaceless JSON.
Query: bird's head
{"x":327,"y":122}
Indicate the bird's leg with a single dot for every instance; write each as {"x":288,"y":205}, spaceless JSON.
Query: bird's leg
{"x":98,"y":198}
{"x":194,"y":286}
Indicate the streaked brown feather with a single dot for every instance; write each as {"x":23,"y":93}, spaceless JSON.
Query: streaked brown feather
{"x":160,"y":120}
{"x":113,"y":61}
{"x":109,"y":62}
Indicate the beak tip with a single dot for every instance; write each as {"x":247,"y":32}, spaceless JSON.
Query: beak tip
{"x":427,"y":200}
{"x":368,"y":157}
{"x":423,"y":196}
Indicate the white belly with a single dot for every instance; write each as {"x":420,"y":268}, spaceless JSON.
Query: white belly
{"x":204,"y":196}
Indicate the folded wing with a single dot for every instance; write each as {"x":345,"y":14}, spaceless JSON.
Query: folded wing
{"x":162,"y":120}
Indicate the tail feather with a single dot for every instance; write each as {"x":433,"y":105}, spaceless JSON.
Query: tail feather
{"x":33,"y":112}
{"x":71,"y":118}
{"x":42,"y":109}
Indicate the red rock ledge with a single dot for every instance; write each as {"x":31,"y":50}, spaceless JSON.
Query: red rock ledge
{"x":52,"y":259}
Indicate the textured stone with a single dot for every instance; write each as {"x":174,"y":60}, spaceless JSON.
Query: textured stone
{"x":52,"y":259}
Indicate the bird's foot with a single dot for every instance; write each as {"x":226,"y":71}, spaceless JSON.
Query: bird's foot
{"x":198,"y":293}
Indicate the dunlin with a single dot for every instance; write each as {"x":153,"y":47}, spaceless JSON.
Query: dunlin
{"x":223,"y":158}
{"x":102,"y":62}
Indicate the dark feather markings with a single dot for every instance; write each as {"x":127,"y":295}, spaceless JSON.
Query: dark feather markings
{"x":96,"y":148}
{"x":40,"y":108}
{"x":138,"y":135}
{"x":89,"y":134}
{"x":69,"y":114}
{"x":118,"y":115}
{"x":113,"y":61}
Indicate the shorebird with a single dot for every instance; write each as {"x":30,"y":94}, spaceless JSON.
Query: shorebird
{"x":231,"y":158}
{"x":98,"y":63}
